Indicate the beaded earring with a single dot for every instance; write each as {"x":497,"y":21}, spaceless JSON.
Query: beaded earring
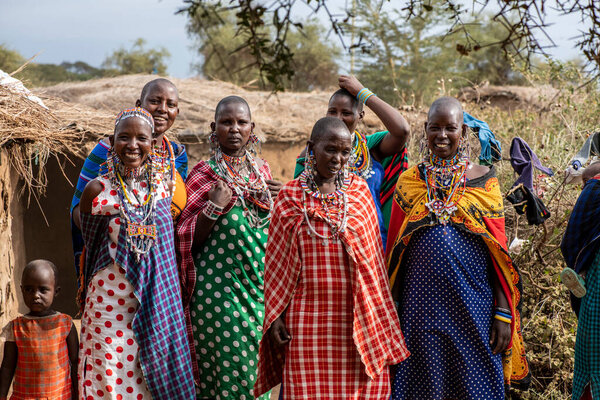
{"x":253,"y":144}
{"x":310,"y":163}
{"x":213,"y":142}
{"x":464,"y":146}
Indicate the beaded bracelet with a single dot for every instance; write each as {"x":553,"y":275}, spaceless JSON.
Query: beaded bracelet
{"x":364,"y":95}
{"x":212,"y":211}
{"x":503,"y":310}
{"x":503,"y":318}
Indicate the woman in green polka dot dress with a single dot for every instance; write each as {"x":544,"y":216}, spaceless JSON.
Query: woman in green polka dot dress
{"x":221,"y":239}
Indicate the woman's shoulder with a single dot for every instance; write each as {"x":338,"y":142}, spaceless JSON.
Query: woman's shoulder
{"x":477,"y":171}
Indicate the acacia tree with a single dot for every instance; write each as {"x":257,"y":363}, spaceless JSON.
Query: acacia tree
{"x":523,"y":21}
{"x":137,"y":60}
{"x":404,"y":60}
{"x":225,"y":57}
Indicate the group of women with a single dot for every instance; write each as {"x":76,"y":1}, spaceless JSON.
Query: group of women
{"x":231,"y":283}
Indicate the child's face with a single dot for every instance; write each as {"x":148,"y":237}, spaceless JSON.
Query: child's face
{"x":162,"y":102}
{"x":341,"y":107}
{"x":38,"y":287}
{"x":233,"y":127}
{"x":132,"y":142}
{"x":444,"y":129}
{"x":331,"y":153}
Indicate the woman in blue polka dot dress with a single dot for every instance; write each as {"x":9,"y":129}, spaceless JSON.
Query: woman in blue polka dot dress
{"x":456,"y":289}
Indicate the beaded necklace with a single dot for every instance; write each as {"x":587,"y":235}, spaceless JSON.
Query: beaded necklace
{"x":443,"y":178}
{"x":252,"y":191}
{"x":360,"y":162}
{"x":163,"y":159}
{"x":139,"y":214}
{"x":309,"y":187}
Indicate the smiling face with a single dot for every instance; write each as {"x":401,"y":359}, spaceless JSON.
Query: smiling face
{"x":161,"y":100}
{"x":344,"y":108}
{"x":233,"y":127}
{"x":331,"y":150}
{"x":444,"y":128}
{"x":132,"y":142}
{"x":38,"y":287}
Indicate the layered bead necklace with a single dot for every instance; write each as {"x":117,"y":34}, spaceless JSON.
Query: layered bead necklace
{"x":163,"y":159}
{"x":337,"y":199}
{"x":136,"y":205}
{"x":360,"y":162}
{"x":446,"y":183}
{"x":243,"y":175}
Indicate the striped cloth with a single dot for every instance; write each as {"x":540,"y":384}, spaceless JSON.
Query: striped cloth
{"x":373,"y":333}
{"x":159,"y":324}
{"x":43,"y":369}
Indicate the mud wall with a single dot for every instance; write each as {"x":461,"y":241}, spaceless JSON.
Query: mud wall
{"x":12,"y":249}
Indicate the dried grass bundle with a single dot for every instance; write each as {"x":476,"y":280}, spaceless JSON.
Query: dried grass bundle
{"x":30,"y":134}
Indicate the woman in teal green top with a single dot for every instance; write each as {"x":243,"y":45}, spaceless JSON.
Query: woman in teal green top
{"x":379,"y":158}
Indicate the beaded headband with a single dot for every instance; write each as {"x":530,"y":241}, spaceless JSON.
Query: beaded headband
{"x":135,"y":112}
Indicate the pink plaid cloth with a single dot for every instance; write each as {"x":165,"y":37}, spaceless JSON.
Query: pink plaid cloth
{"x":197,"y":185}
{"x":344,"y":327}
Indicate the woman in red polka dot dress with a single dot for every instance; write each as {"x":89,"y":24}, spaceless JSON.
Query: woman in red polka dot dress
{"x":119,"y":359}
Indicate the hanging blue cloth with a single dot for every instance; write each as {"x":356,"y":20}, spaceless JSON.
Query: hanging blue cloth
{"x":491,"y":149}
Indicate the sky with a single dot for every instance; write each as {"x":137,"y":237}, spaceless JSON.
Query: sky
{"x":89,"y":30}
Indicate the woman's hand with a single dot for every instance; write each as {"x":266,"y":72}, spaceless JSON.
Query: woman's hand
{"x":220,"y":194}
{"x":274,"y":187}
{"x":279,"y":333}
{"x":350,"y":83}
{"x":500,"y":336}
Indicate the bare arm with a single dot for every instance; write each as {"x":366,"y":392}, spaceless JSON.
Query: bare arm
{"x":501,"y":331}
{"x":73,"y":349}
{"x":91,"y":191}
{"x":7,"y":370}
{"x":76,"y":216}
{"x":397,"y":126}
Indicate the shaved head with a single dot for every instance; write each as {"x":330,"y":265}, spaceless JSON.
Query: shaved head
{"x":41,"y":264}
{"x":446,"y":103}
{"x":325,"y":127}
{"x":156,"y":82}
{"x":231,"y":100}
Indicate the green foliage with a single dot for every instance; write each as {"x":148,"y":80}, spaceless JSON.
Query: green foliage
{"x":523,"y":22}
{"x":137,"y":60}
{"x":416,"y":55}
{"x":221,"y":43}
{"x":45,"y":74}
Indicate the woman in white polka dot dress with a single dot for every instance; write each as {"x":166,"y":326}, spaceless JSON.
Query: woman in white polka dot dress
{"x":133,"y":329}
{"x":221,"y":238}
{"x":453,"y":281}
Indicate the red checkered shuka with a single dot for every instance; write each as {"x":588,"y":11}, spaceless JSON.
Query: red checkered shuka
{"x":348,"y":275}
{"x":197,"y":185}
{"x":43,"y":369}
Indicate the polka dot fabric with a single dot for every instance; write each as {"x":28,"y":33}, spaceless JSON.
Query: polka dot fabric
{"x":109,"y":366}
{"x":446,"y":316}
{"x":227,"y":308}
